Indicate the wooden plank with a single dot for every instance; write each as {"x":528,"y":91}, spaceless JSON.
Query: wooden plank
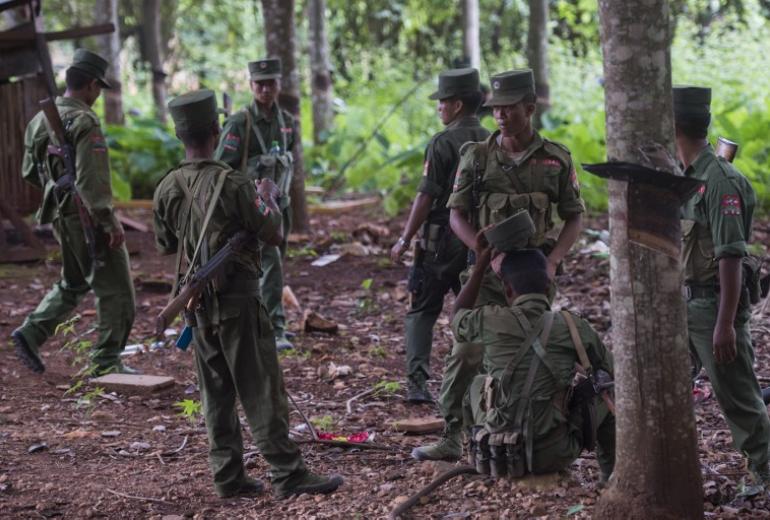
{"x":419,"y":425}
{"x":340,"y":206}
{"x":132,"y":383}
{"x":130,"y":223}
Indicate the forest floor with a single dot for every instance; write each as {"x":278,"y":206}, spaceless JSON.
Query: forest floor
{"x":79,"y":452}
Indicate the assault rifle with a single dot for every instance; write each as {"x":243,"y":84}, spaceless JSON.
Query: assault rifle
{"x":66,"y":183}
{"x":193,"y":288}
{"x":417,"y":271}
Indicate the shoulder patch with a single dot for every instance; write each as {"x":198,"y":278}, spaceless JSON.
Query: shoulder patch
{"x":557,"y":150}
{"x":731,"y":205}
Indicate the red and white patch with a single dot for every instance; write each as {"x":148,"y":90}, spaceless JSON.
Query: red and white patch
{"x":97,"y":143}
{"x":233,"y":137}
{"x":262,"y":208}
{"x":457,"y":180}
{"x":731,"y":205}
{"x":287,"y":130}
{"x":425,"y":168}
{"x":702,"y":189}
{"x":574,"y":179}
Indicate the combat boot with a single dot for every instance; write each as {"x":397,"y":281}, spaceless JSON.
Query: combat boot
{"x":449,"y":448}
{"x":282,"y":342}
{"x":249,"y":486}
{"x":756,"y":483}
{"x":418,"y":393}
{"x":26,"y":354}
{"x":313,"y":484}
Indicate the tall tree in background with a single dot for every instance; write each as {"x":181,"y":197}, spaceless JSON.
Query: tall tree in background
{"x":153,"y":53}
{"x":537,"y":54}
{"x":109,"y":47}
{"x":321,"y":82}
{"x":657,"y":473}
{"x":281,"y":43}
{"x":471,"y":45}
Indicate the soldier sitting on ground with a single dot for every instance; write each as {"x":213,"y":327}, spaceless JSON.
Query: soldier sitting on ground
{"x":536,"y":408}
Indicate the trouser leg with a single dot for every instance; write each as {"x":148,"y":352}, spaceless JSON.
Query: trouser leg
{"x":462,"y":364}
{"x":271,"y":283}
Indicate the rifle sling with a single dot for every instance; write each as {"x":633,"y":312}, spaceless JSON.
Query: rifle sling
{"x":247,"y":139}
{"x":204,"y":227}
{"x":579,"y":347}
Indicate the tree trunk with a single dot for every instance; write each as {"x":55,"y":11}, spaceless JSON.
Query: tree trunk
{"x":153,"y":48}
{"x":537,"y":54}
{"x":471,"y":33}
{"x":657,"y":473}
{"x":280,"y":40}
{"x":109,"y":46}
{"x":321,"y":82}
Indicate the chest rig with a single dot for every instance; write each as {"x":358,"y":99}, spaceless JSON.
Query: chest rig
{"x":276,"y":165}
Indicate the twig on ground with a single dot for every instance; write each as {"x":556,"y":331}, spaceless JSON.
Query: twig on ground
{"x":145,"y":499}
{"x":348,"y":444}
{"x":404,"y":506}
{"x":174,"y":452}
{"x":313,"y":433}
{"x":349,"y":403}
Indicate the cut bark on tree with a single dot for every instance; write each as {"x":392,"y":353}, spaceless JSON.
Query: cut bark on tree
{"x":109,"y":44}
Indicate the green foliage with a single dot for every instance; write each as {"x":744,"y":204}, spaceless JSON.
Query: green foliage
{"x":190,"y":409}
{"x":386,"y":387}
{"x":325,"y":423}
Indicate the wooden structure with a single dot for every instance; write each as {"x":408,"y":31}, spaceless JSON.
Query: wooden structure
{"x":26,"y":77}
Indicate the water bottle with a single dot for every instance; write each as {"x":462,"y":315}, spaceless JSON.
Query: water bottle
{"x":275,"y":150}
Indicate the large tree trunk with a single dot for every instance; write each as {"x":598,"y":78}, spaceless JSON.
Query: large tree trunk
{"x":657,"y":472}
{"x":153,"y":48}
{"x":281,"y":43}
{"x":109,"y":46}
{"x":537,"y":54}
{"x":321,"y":83}
{"x":471,"y":45}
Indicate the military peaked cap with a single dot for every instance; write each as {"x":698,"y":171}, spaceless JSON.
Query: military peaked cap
{"x":456,"y":82}
{"x":691,"y":101}
{"x":269,"y":68}
{"x":92,"y":64}
{"x":512,"y":233}
{"x":508,"y":88}
{"x":195,"y":110}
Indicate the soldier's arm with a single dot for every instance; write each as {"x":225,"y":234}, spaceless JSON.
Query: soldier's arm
{"x":164,"y":209}
{"x":230,"y":146}
{"x":570,"y":208}
{"x":598,"y":354}
{"x":30,"y":163}
{"x":470,"y":291}
{"x":258,"y":212}
{"x":461,"y":201}
{"x":93,"y":180}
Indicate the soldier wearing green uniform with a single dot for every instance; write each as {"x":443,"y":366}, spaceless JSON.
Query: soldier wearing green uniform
{"x":515,"y":168}
{"x":235,"y":351}
{"x":108,"y":275}
{"x":259,"y":141}
{"x":440,"y":256}
{"x":716,"y":227}
{"x":526,"y":404}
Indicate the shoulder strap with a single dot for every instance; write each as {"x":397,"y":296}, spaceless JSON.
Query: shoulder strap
{"x":531,"y":335}
{"x":209,"y":212}
{"x":281,"y":127}
{"x":579,"y":347}
{"x":182,"y":231}
{"x":246,"y":139}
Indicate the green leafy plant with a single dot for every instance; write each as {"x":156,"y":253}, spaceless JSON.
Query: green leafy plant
{"x":190,"y":409}
{"x":386,"y":388}
{"x":324,"y":423}
{"x":378,"y":351}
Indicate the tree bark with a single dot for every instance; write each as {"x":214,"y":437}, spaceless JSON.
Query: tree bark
{"x":153,"y":48}
{"x":109,"y":45}
{"x":537,"y":54}
{"x":471,"y":45}
{"x":321,"y":82}
{"x":281,"y":43}
{"x":657,"y":472}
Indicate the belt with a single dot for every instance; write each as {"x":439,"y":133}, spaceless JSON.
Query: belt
{"x":692,"y":292}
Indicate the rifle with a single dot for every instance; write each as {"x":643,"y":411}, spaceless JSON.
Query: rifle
{"x":66,"y":183}
{"x":227,"y":104}
{"x":417,"y":271}
{"x":192,"y":290}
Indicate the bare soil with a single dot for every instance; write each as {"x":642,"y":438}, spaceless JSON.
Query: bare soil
{"x":77,"y":452}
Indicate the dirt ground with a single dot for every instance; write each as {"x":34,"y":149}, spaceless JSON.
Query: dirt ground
{"x":69,"y":451}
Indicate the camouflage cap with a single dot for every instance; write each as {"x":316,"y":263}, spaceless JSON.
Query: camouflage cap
{"x":195,"y":110}
{"x":511,"y":233}
{"x":691,"y":101}
{"x":508,"y":88}
{"x":269,"y":68}
{"x":92,"y":64}
{"x":456,"y":82}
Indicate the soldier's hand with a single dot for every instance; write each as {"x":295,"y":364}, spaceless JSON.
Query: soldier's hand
{"x":724,"y":344}
{"x":551,"y":267}
{"x":497,"y":261}
{"x":268,"y":189}
{"x":117,"y":237}
{"x":398,"y":249}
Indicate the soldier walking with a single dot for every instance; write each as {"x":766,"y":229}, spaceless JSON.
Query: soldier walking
{"x":515,"y":168}
{"x":107,"y":271}
{"x":440,"y":256}
{"x":235,"y":351}
{"x":259,"y":141}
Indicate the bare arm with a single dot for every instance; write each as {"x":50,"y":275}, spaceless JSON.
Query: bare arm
{"x":470,"y":291}
{"x":461,"y":226}
{"x":419,"y":213}
{"x":567,"y":237}
{"x":268,"y":192}
{"x":729,"y":296}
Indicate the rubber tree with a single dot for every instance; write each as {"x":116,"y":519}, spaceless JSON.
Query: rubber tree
{"x":153,"y":51}
{"x":280,"y":39}
{"x":657,"y":473}
{"x":471,"y":47}
{"x":109,"y":46}
{"x":537,"y":54}
{"x":321,"y":87}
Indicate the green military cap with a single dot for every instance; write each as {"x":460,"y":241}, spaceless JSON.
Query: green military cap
{"x":195,"y":110}
{"x":691,"y":101}
{"x":508,"y":88}
{"x":511,"y":233}
{"x":92,"y":64}
{"x":269,"y":68}
{"x":456,"y":82}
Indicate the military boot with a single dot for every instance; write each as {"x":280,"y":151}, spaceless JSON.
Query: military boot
{"x":417,"y":393}
{"x":249,"y":486}
{"x":449,"y":448}
{"x":26,"y":354}
{"x":313,"y":484}
{"x":282,"y":342}
{"x":755,"y":483}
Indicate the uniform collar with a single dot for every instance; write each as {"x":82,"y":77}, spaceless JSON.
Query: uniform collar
{"x":196,"y":163}
{"x":698,"y":167}
{"x":533,"y":301}
{"x":504,"y":158}
{"x":465,"y":121}
{"x":259,"y":114}
{"x":71,"y":102}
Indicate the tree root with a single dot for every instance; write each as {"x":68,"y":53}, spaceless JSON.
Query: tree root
{"x":427,"y":490}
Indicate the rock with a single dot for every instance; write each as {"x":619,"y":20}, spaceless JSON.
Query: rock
{"x":140,"y":446}
{"x":159,"y":428}
{"x":400,"y":499}
{"x":172,"y":517}
{"x":37,"y":447}
{"x":101,"y":416}
{"x":419,"y":425}
{"x":78,"y":434}
{"x":111,"y":433}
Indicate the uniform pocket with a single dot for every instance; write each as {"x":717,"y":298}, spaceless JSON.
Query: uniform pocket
{"x":539,"y":211}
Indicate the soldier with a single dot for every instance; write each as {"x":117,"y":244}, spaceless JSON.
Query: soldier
{"x":716,"y":227}
{"x":439,"y":256}
{"x":108,"y":275}
{"x":259,"y":141}
{"x":531,"y":357}
{"x":515,"y":168}
{"x":234,"y":344}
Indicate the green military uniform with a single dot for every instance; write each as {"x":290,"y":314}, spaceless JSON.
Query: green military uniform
{"x":248,"y":150}
{"x":444,"y":253}
{"x":716,"y":224}
{"x":542,"y":176}
{"x":234,"y":344}
{"x":556,"y":428}
{"x":109,"y":277}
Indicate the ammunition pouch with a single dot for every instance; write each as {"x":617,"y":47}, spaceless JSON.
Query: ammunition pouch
{"x":435,"y":238}
{"x":582,"y":406}
{"x":498,"y":454}
{"x":752,"y":269}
